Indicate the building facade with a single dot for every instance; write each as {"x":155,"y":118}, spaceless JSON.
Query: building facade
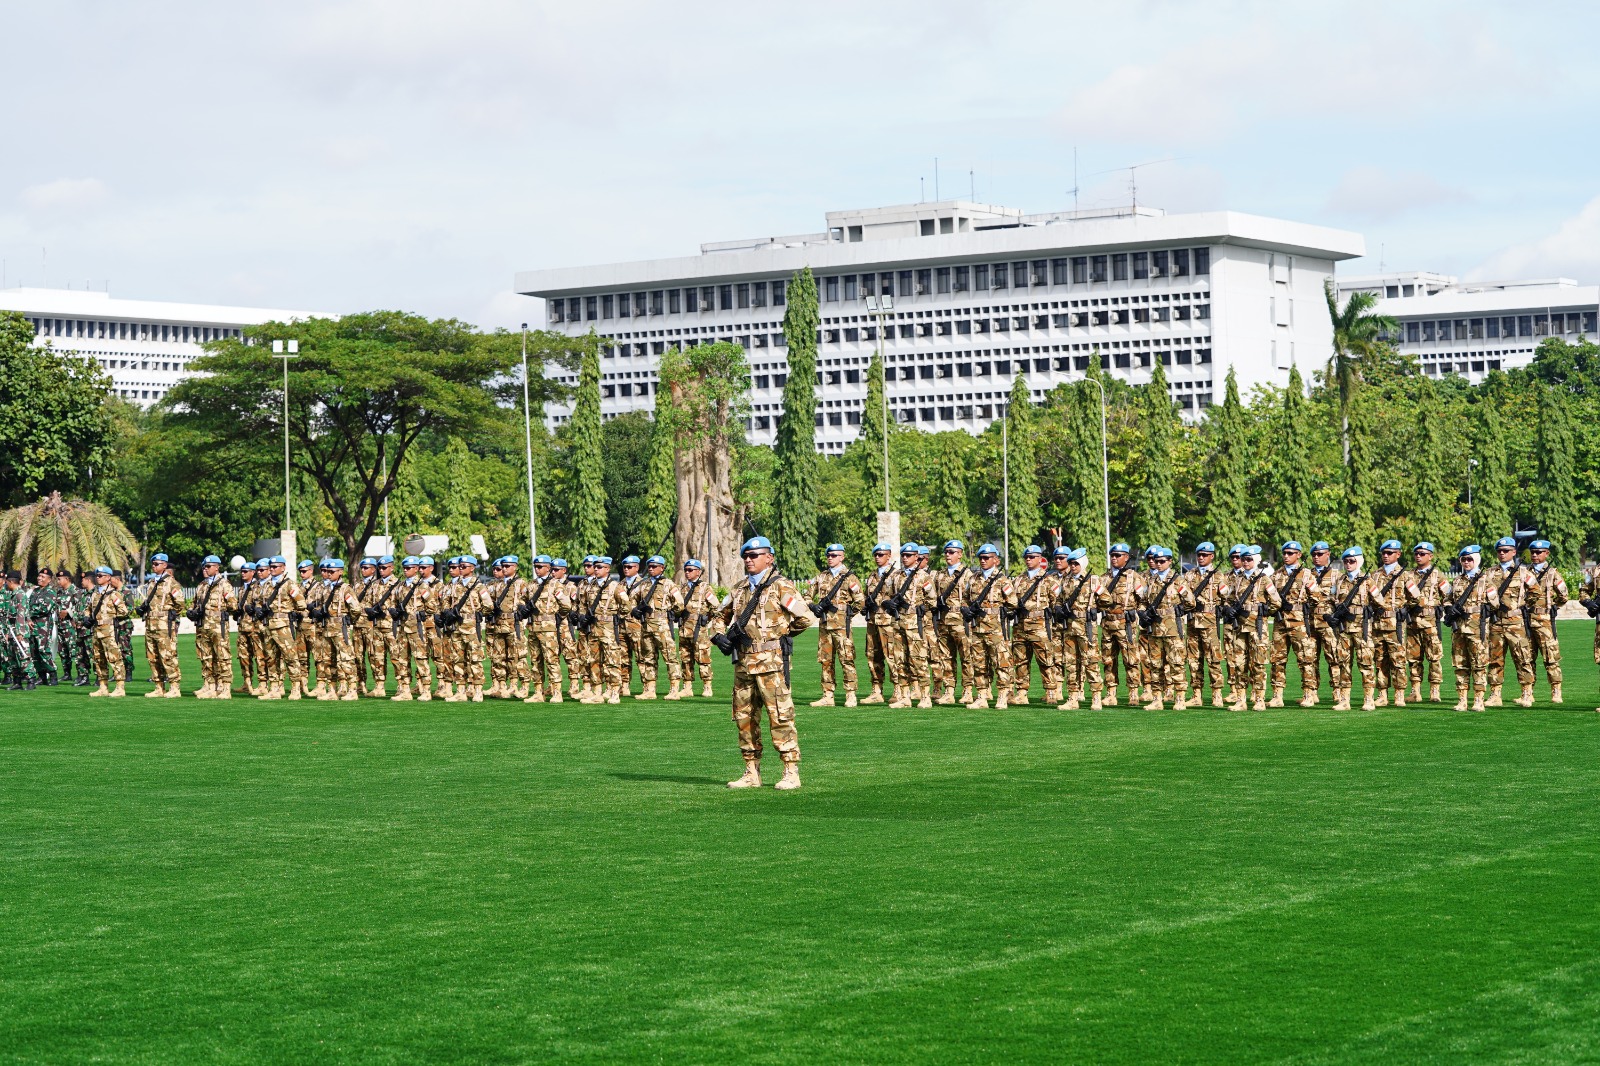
{"x":145,"y":346}
{"x":1471,"y":328}
{"x":980,"y":295}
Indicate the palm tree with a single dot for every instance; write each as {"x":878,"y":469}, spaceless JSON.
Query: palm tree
{"x":75,"y":534}
{"x":1358,"y":336}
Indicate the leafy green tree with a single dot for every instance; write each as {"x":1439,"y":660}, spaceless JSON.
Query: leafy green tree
{"x":1227,"y":515}
{"x":1290,"y":470}
{"x":867,"y":449}
{"x":363,"y":391}
{"x":1358,"y":335}
{"x":1362,"y":472}
{"x":628,"y":440}
{"x":54,"y":426}
{"x":1154,"y":509}
{"x":1491,"y":516}
{"x":588,"y":487}
{"x":952,"y":513}
{"x":794,"y":533}
{"x":1434,"y":511}
{"x":661,"y":487}
{"x":1026,"y":519}
{"x":1559,"y":514}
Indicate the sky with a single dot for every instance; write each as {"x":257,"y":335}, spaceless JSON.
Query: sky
{"x":352,"y":155}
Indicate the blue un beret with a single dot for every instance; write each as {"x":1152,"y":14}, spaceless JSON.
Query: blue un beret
{"x":559,"y":563}
{"x":956,"y":544}
{"x":1206,"y":546}
{"x":1032,"y":549}
{"x":693,"y":564}
{"x":159,"y":557}
{"x":105,"y":570}
{"x":987,"y":549}
{"x":1291,"y":546}
{"x":542,"y":560}
{"x":1470,"y":549}
{"x":385,"y":560}
{"x":247,"y":565}
{"x":882,"y":546}
{"x":1354,"y":552}
{"x":1423,"y":546}
{"x":1539,"y":545}
{"x":1505,"y":542}
{"x":603,"y":559}
{"x":1321,"y":546}
{"x":210,"y":560}
{"x":756,"y":544}
{"x":835,"y":547}
{"x":1119,"y":546}
{"x":627,"y":559}
{"x":1389,"y":546}
{"x":655,"y":560}
{"x":1061,"y":552}
{"x":305,"y":563}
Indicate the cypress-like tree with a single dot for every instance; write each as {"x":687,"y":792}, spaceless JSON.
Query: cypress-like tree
{"x":1361,"y":473}
{"x":869,"y":446}
{"x":1230,"y":483}
{"x":661,"y":482}
{"x":1293,"y":481}
{"x":1155,"y":509}
{"x":950,"y":488}
{"x":588,"y":461}
{"x":794,"y":490}
{"x":1026,"y":518}
{"x":1491,"y":515}
{"x":1083,"y":511}
{"x":1435,"y":499}
{"x":1559,"y":515}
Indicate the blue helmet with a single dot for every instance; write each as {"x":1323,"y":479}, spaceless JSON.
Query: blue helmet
{"x":1423,"y":546}
{"x":211,"y":560}
{"x":835,"y":548}
{"x":1470,"y":549}
{"x":694,"y":564}
{"x":1290,"y":546}
{"x":1389,"y":546}
{"x":1540,"y":545}
{"x":756,"y":544}
{"x":956,"y":544}
{"x":656,"y":560}
{"x":1033,"y":549}
{"x":1120,"y":547}
{"x":1505,"y":542}
{"x":987,"y":549}
{"x":1205,"y":546}
{"x":1354,"y":552}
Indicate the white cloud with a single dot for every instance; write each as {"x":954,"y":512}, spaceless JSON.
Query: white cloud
{"x":65,"y":194}
{"x":1375,"y":194}
{"x":1572,"y":251}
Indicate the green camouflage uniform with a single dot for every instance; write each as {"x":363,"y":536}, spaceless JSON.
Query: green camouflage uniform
{"x":14,"y":633}
{"x":41,"y":611}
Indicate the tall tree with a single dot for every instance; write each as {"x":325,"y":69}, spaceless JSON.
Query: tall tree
{"x":1491,"y":514}
{"x":1026,"y":519}
{"x":868,"y":447}
{"x":661,"y":491}
{"x":1361,"y":471}
{"x":362,"y":392}
{"x":709,"y":391}
{"x":795,"y":489}
{"x":954,"y":517}
{"x":1084,"y":503}
{"x":1435,"y":504}
{"x":1358,"y":335}
{"x":1290,"y":466}
{"x":1155,"y":506}
{"x":1559,"y":516}
{"x":54,"y":425}
{"x":1226,"y":515}
{"x":588,"y":461}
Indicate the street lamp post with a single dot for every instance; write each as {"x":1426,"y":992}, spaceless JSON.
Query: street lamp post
{"x":527,"y":434}
{"x":1470,"y":464}
{"x":286,"y":350}
{"x":1105,"y":462}
{"x":881,"y":308}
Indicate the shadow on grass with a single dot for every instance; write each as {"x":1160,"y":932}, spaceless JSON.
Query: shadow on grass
{"x":673,"y":779}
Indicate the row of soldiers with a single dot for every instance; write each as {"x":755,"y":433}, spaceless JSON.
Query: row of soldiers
{"x":424,"y":628}
{"x":46,"y":635}
{"x":1175,"y":632}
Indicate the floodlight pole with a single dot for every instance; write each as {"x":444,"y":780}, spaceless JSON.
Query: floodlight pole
{"x":1105,"y":462}
{"x":527,"y":432}
{"x":880,"y":309}
{"x":286,"y":350}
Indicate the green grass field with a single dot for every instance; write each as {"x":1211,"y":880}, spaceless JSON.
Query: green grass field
{"x":186,"y":881}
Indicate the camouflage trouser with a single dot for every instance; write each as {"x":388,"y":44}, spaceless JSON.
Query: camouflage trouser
{"x":831,"y":643}
{"x":367,"y":647}
{"x":632,"y":648}
{"x":1293,"y":637}
{"x":544,"y":645}
{"x":991,"y":661}
{"x":108,"y":656}
{"x":1548,"y":648}
{"x":283,"y":655}
{"x":125,"y":643}
{"x":1423,"y":649}
{"x":318,"y":653}
{"x":1330,"y":644}
{"x":949,"y":646}
{"x":575,"y":650}
{"x":1357,"y":654}
{"x":39,"y":652}
{"x":913,"y":655}
{"x":1509,"y":637}
{"x":300,"y":641}
{"x":414,"y":656}
{"x":249,"y":655}
{"x":614,"y":668}
{"x":751,"y":694}
{"x":16,"y":656}
{"x":502,"y":649}
{"x":692,"y":652}
{"x":1029,"y":644}
{"x":161,"y":651}
{"x":1249,"y":651}
{"x":1114,"y":643}
{"x":1164,"y":667}
{"x":1389,"y":666}
{"x":655,"y":641}
{"x":84,"y":652}
{"x":337,"y":656}
{"x":881,"y":645}
{"x":1204,"y":652}
{"x":1469,"y":653}
{"x":439,"y":650}
{"x":216,"y":664}
{"x":1080,"y":662}
{"x":466,"y":656}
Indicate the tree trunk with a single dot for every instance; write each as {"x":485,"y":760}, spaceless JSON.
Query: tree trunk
{"x":705,"y":473}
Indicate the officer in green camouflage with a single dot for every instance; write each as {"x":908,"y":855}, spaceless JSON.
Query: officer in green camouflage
{"x":41,"y":612}
{"x":14,"y":654}
{"x":69,"y":602}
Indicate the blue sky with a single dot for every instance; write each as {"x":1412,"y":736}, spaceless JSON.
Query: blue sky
{"x":351,"y":155}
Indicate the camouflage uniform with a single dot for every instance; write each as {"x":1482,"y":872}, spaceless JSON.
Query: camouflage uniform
{"x":1328,"y":637}
{"x":615,"y":672}
{"x":1117,"y":599}
{"x":459,"y":627}
{"x":1474,"y":594}
{"x":341,"y":607}
{"x":760,"y":672}
{"x":1297,"y":590}
{"x":366,"y":645}
{"x":1203,"y":642}
{"x":1388,"y":595}
{"x":497,"y":606}
{"x":883,"y":643}
{"x":304,"y":636}
{"x":318,"y":653}
{"x":700,"y":620}
{"x":411,"y":650}
{"x":163,"y":604}
{"x":214,"y":603}
{"x":383,"y":645}
{"x":659,"y":599}
{"x":1508,"y":631}
{"x":286,"y":602}
{"x":106,"y":606}
{"x":1423,"y":647}
{"x":950,"y":634}
{"x":1544,"y":599}
{"x":1164,"y":598}
{"x":909,"y":593}
{"x":252,"y":659}
{"x":630,"y":631}
{"x":84,"y":629}
{"x":986,"y":601}
{"x":835,"y":598}
{"x":40,"y":607}
{"x":14,"y":633}
{"x":1031,"y":636}
{"x":546,"y":601}
{"x":1075,"y":597}
{"x":1250,"y":597}
{"x":68,"y":603}
{"x":124,"y":624}
{"x":1351,"y":637}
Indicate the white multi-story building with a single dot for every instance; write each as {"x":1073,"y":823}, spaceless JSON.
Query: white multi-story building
{"x":144,"y":345}
{"x":981,"y":294}
{"x":1471,"y":328}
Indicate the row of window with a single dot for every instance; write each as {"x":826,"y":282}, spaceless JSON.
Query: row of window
{"x":924,"y":281}
{"x":1544,"y":324}
{"x":128,"y":331}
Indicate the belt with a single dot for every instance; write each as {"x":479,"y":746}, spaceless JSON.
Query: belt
{"x":1114,"y":614}
{"x":765,"y":645}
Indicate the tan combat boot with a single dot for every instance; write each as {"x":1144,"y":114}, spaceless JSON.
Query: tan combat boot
{"x":947,"y":696}
{"x":590,"y":695}
{"x":1478,"y":702}
{"x":403,"y":696}
{"x":826,"y":699}
{"x":966,"y":696}
{"x":1555,"y":694}
{"x":615,"y":697}
{"x":1218,"y":699}
{"x":926,"y":701}
{"x":447,"y":689}
{"x":225,"y":692}
{"x":352,"y":692}
{"x":1095,"y":704}
{"x":1525,"y":697}
{"x":1416,"y":692}
{"x":1461,"y":698}
{"x":1000,"y":701}
{"x":155,"y":693}
{"x":1277,"y":696}
{"x":1109,"y":699}
{"x":1156,"y":704}
{"x":536,"y":696}
{"x":555,"y":697}
{"x":674,"y":691}
{"x":980,"y":702}
{"x":1496,"y":697}
{"x":791,"y":777}
{"x":648,"y":692}
{"x":752,"y":775}
{"x":297,"y":691}
{"x":424,"y":694}
{"x":322,"y":692}
{"x":1433,"y":692}
{"x":101,"y":691}
{"x":1399,"y":697}
{"x":1381,"y":698}
{"x":901,"y":699}
{"x":118,"y":692}
{"x":875,"y":696}
{"x":1180,"y":704}
{"x":1369,"y":701}
{"x":850,"y":697}
{"x":1019,"y":697}
{"x":206,"y":691}
{"x":1308,"y":697}
{"x":707,"y":693}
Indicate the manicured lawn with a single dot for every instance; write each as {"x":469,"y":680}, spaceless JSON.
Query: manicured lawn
{"x":381,"y":882}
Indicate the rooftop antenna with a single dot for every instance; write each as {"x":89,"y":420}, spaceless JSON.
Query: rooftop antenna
{"x":1380,"y":257}
{"x":972,"y":186}
{"x":922,"y":190}
{"x":936,"y":179}
{"x":1133,"y":178}
{"x":1074,"y":181}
